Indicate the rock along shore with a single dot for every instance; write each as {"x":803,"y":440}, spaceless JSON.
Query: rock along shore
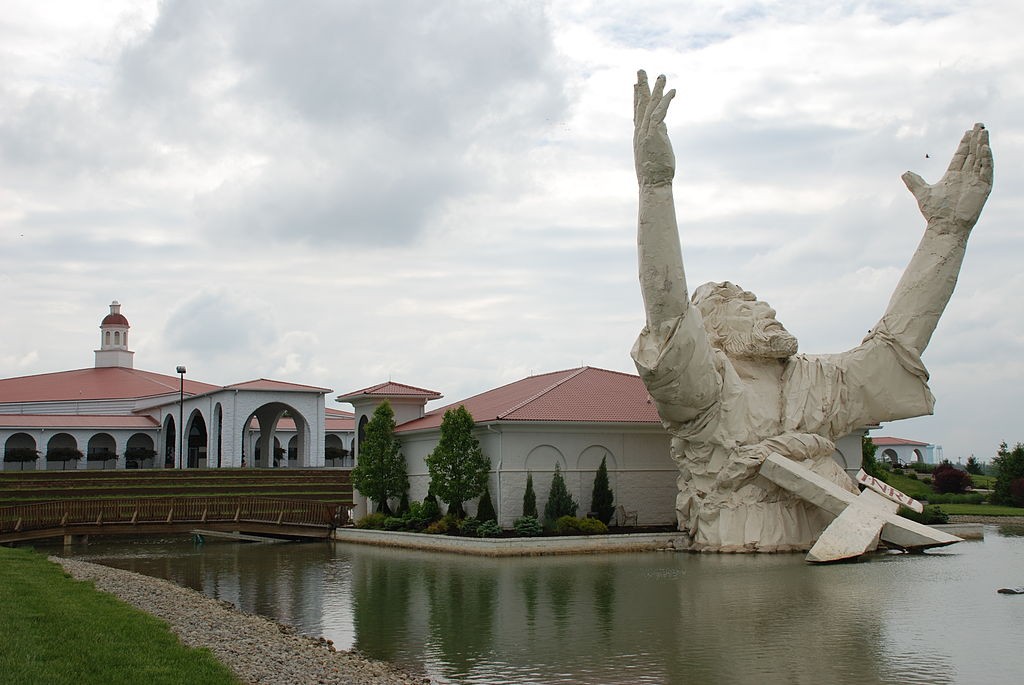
{"x":256,"y":649}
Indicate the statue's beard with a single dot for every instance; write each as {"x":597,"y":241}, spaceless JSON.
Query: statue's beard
{"x":768,"y":340}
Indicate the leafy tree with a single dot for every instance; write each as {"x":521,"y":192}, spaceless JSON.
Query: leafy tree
{"x":602,"y":499}
{"x":868,"y":461}
{"x":485,"y":512}
{"x":973,"y":466}
{"x":947,"y":478}
{"x":1009,"y":466}
{"x":458,"y":468}
{"x":63,"y":454}
{"x":380,"y":473}
{"x":20,"y":455}
{"x":560,"y":502}
{"x":529,"y":498}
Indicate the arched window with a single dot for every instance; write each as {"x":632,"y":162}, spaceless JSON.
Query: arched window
{"x":117,"y":337}
{"x":106,"y":337}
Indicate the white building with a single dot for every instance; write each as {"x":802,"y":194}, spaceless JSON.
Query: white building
{"x":121,"y":417}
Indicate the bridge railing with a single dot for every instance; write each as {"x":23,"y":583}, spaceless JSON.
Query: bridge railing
{"x":68,"y":513}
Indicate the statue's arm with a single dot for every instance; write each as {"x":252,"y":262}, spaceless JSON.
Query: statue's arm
{"x":951,"y":208}
{"x":662,"y":280}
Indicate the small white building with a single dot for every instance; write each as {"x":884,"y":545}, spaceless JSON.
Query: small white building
{"x":902,"y":451}
{"x":573,"y":418}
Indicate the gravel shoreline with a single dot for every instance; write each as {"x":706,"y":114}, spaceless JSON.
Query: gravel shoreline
{"x":256,"y":649}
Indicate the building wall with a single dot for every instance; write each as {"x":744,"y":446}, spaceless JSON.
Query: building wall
{"x":640,"y":470}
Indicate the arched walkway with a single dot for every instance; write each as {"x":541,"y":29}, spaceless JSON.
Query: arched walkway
{"x":140,"y":452}
{"x":62,"y":452}
{"x":21,"y":449}
{"x":197,"y":439}
{"x":170,"y":443}
{"x":101,"y":451}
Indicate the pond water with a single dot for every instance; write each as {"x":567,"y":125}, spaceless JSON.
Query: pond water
{"x":654,"y":617}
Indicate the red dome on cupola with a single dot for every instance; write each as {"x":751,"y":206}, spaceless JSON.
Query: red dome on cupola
{"x":115,"y":317}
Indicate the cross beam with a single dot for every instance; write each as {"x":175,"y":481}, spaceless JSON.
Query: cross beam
{"x":860,"y":520}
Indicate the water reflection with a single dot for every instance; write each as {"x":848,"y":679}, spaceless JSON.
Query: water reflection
{"x":631,"y":618}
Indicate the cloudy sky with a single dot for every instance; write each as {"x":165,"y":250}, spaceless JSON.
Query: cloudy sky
{"x":442,"y":193}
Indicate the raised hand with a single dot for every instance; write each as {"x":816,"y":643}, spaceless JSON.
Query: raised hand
{"x":957,"y":199}
{"x":652,"y":150}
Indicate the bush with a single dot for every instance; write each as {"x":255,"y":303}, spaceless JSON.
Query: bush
{"x":446,"y":525}
{"x":570,"y":525}
{"x":469,"y":526}
{"x":947,"y":478}
{"x":63,"y":454}
{"x":527,"y":527}
{"x":485,"y":511}
{"x":931,"y":515}
{"x":921,"y":467}
{"x":529,"y":498}
{"x":489,"y":529}
{"x":395,"y":523}
{"x":560,"y":502}
{"x":373,"y":521}
{"x":912,"y":475}
{"x":602,"y":499}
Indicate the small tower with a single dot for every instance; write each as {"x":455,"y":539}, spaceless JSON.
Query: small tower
{"x":114,"y":340}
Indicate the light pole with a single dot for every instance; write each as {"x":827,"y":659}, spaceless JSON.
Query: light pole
{"x":181,"y":415}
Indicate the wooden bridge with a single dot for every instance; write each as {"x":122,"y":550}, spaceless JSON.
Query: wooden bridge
{"x":158,"y":516}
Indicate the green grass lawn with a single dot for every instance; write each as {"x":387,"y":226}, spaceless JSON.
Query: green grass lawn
{"x":58,"y":630}
{"x":981,"y":510}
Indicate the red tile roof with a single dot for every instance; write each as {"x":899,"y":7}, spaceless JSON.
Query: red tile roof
{"x":882,"y":441}
{"x":390,"y":389}
{"x":585,"y":394}
{"x":77,"y":421}
{"x":115,"y":320}
{"x":274,"y":386}
{"x":105,"y":383}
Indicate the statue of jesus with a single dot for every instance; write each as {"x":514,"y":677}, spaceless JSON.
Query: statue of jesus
{"x":725,"y":374}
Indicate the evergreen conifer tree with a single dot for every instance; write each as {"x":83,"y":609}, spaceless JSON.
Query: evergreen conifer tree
{"x":602,"y":499}
{"x":560,"y":502}
{"x":381,"y":471}
{"x":529,"y":498}
{"x":458,"y":467}
{"x":485,"y":512}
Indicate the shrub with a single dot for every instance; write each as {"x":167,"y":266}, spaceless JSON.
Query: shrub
{"x":469,"y":526}
{"x":446,"y":525}
{"x":570,"y":525}
{"x":602,"y":499}
{"x":485,"y":511}
{"x":431,"y":510}
{"x":948,"y":479}
{"x":63,"y":454}
{"x":373,"y":521}
{"x":394,"y":523}
{"x":868,"y":461}
{"x":403,"y":504}
{"x":560,"y":502}
{"x":527,"y":526}
{"x":912,"y":475}
{"x":931,"y":515}
{"x":921,"y":467}
{"x":529,"y":498}
{"x":973,"y":466}
{"x":489,"y":529}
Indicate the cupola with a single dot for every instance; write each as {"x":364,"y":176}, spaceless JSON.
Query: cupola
{"x":114,"y":340}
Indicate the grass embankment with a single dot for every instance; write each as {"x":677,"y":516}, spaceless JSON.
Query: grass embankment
{"x":922,"y":491}
{"x":58,"y":630}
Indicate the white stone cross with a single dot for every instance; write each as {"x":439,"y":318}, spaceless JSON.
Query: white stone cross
{"x":860,"y":520}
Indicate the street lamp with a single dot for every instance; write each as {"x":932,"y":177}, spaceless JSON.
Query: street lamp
{"x":181,"y":414}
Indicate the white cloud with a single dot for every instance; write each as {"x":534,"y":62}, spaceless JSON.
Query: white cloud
{"x":443,"y":194}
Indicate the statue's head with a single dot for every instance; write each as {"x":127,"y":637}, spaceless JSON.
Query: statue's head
{"x":740,"y":324}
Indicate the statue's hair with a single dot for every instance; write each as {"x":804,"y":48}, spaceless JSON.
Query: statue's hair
{"x":708,"y":297}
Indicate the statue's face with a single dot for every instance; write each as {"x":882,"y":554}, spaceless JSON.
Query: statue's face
{"x":748,"y":329}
